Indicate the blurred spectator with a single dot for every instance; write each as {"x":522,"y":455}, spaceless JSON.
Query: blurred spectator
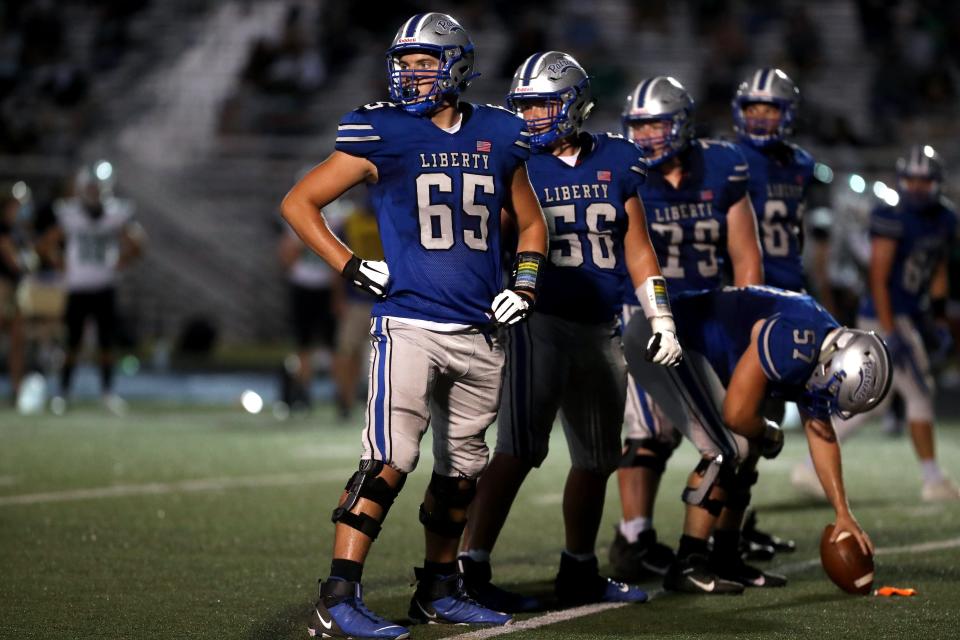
{"x":98,"y":238}
{"x":802,"y":41}
{"x":311,"y":303}
{"x":11,"y":270}
{"x":353,"y":307}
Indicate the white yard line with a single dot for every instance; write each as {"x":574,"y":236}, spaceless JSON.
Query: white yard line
{"x":184,"y":486}
{"x":553,"y":617}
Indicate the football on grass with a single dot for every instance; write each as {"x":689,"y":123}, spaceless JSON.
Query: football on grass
{"x":848,"y":567}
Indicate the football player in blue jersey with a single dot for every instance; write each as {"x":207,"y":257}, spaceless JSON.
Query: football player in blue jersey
{"x":910,"y":244}
{"x":439,"y":173}
{"x":568,"y":357}
{"x":764,"y":111}
{"x":701,"y":219}
{"x":741,"y":347}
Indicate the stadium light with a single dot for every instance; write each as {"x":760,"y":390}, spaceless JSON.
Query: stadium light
{"x":880,"y":190}
{"x":857,"y":183}
{"x":823,"y":173}
{"x":891,"y":197}
{"x":928,"y":151}
{"x":20,"y":190}
{"x":251,"y":401}
{"x":104,"y":170}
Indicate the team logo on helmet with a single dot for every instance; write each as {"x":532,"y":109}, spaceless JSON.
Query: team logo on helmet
{"x":444,"y":27}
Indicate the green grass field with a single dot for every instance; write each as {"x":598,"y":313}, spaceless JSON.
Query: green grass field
{"x":214,"y":524}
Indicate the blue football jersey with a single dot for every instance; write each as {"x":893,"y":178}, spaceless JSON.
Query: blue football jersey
{"x":924,"y":237}
{"x":437,"y":201}
{"x":688,"y":224}
{"x":719,"y":323}
{"x":779,"y":177}
{"x":584,"y":209}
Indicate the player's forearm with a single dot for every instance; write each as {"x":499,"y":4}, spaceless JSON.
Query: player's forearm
{"x":748,"y":270}
{"x":532,"y":234}
{"x":825,"y":453}
{"x":310,"y":225}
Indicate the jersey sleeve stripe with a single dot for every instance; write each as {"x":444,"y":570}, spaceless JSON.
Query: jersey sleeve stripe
{"x":741,"y":167}
{"x":737,"y":178}
{"x":526,"y":133}
{"x":521,"y":144}
{"x":354,"y":127}
{"x":766,"y":357}
{"x":357,"y":138}
{"x":638,"y":170}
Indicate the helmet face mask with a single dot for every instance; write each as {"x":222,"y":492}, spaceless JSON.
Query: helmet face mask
{"x":853,"y":374}
{"x":771,"y":87}
{"x":415,"y":83}
{"x":659,"y":99}
{"x":551,"y":91}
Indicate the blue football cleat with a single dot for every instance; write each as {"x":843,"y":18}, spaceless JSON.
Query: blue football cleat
{"x":580,"y":583}
{"x":340,"y":613}
{"x":476,"y":579}
{"x":443,"y":600}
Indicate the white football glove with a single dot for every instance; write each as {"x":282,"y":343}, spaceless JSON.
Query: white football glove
{"x":663,"y":347}
{"x":371,"y":276}
{"x":509,"y":307}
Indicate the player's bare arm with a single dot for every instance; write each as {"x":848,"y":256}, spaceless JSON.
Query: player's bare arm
{"x":531,"y":224}
{"x":133,"y":239}
{"x":638,"y":251}
{"x":825,"y":451}
{"x":743,"y":403}
{"x":882,"y":253}
{"x":651,"y":287}
{"x":303,"y":206}
{"x":743,"y":244}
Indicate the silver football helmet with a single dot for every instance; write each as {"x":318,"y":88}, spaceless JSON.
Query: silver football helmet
{"x":442,"y":37}
{"x":920,"y":161}
{"x":555,"y":77}
{"x":660,"y":98}
{"x":853,"y":373}
{"x":769,"y":86}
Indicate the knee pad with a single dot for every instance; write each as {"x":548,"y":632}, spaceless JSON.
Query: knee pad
{"x":739,"y":495}
{"x":367,"y":483}
{"x":714,"y":472}
{"x":447,"y":495}
{"x":634,"y":457}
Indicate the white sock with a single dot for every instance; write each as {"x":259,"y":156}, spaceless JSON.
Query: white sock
{"x":930,"y":471}
{"x":581,"y":557}
{"x":631,"y":529}
{"x":477,"y":555}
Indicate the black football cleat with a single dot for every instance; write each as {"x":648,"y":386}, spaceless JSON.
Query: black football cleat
{"x":693,"y":575}
{"x":578,"y":583}
{"x":633,"y":561}
{"x":762,"y":538}
{"x":736,"y":570}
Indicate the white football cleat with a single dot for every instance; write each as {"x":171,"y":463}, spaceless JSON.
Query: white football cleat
{"x":942,"y":490}
{"x":804,"y":479}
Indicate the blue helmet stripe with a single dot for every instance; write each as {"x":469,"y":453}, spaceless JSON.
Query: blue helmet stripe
{"x":411,"y":26}
{"x":764,"y":78}
{"x":529,"y":67}
{"x":642,"y":92}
